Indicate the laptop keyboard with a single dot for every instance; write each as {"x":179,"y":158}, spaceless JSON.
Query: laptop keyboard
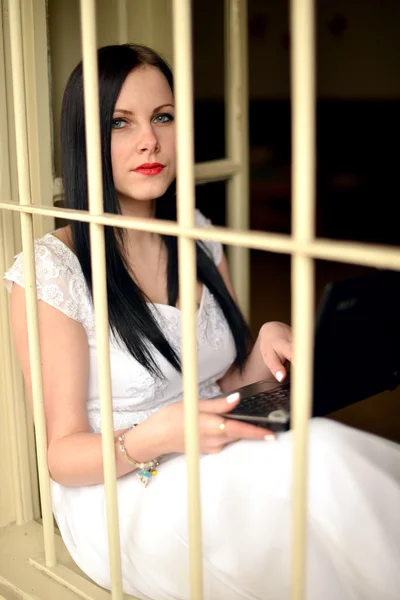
{"x":260,"y":405}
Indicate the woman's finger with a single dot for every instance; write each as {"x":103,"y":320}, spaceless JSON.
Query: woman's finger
{"x":244,"y":431}
{"x":274,"y":363}
{"x":231,"y":430}
{"x":219,"y":405}
{"x":285,"y":349}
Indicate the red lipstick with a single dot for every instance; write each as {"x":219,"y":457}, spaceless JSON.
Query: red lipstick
{"x":149,"y":168}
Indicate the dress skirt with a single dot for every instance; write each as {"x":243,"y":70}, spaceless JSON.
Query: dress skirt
{"x":353,"y":535}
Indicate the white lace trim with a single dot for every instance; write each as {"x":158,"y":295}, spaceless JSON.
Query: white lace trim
{"x":59,"y":280}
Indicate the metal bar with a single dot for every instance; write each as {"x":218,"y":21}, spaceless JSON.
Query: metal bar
{"x":187,"y":279}
{"x":9,"y":407}
{"x":215,"y":170}
{"x":237,"y":142}
{"x":123,"y":35}
{"x":99,"y":278}
{"x":11,"y":504}
{"x":369,"y":255}
{"x":20,"y":427}
{"x":30,"y":278}
{"x":303,"y":221}
{"x":302,"y":321}
{"x":37,"y":91}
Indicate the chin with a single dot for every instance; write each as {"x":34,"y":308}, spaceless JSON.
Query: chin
{"x":146,"y":193}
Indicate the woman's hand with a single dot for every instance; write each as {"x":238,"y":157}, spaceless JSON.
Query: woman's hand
{"x":276,"y":346}
{"x":164,"y":432}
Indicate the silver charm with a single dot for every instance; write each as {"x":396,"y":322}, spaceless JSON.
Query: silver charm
{"x":145,"y":477}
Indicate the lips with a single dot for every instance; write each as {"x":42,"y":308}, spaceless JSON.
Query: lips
{"x":149,"y":169}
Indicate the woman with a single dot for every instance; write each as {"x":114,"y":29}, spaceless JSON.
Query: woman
{"x":354,"y":491}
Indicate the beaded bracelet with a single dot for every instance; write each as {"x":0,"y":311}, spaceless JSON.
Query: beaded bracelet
{"x":146,"y":469}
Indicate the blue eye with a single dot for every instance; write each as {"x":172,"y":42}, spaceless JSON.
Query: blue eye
{"x":163,"y":118}
{"x":118,"y":123}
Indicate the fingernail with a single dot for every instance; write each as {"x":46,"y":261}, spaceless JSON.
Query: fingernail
{"x":280,"y":375}
{"x":233,"y":397}
{"x":270,"y":437}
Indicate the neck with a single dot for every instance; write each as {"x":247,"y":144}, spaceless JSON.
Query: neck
{"x":134,"y":208}
{"x":140,"y":210}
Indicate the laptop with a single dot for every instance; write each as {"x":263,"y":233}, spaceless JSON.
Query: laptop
{"x":356,"y":352}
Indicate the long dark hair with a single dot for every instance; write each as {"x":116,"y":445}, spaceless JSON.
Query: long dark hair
{"x":130,"y":317}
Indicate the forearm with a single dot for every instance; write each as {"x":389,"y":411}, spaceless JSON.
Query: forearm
{"x":255,"y":369}
{"x":77,"y":459}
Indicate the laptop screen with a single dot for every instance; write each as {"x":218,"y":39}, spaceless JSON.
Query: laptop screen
{"x":357,"y":340}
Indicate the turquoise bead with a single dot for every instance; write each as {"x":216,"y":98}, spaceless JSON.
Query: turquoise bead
{"x":145,"y":473}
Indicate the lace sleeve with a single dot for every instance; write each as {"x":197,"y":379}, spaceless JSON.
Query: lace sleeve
{"x":58,"y":280}
{"x":215,"y":248}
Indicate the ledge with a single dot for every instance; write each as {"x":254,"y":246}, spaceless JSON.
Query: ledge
{"x":24,"y":575}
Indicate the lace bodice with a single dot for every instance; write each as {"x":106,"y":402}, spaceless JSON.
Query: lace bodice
{"x":136,"y":393}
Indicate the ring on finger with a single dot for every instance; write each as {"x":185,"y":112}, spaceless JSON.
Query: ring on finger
{"x":221,"y":428}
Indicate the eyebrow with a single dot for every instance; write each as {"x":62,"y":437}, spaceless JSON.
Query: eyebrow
{"x":129,"y":112}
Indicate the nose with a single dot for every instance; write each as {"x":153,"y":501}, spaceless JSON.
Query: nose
{"x":148,"y":141}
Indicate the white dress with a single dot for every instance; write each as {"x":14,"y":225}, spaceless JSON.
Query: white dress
{"x":354,"y":482}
